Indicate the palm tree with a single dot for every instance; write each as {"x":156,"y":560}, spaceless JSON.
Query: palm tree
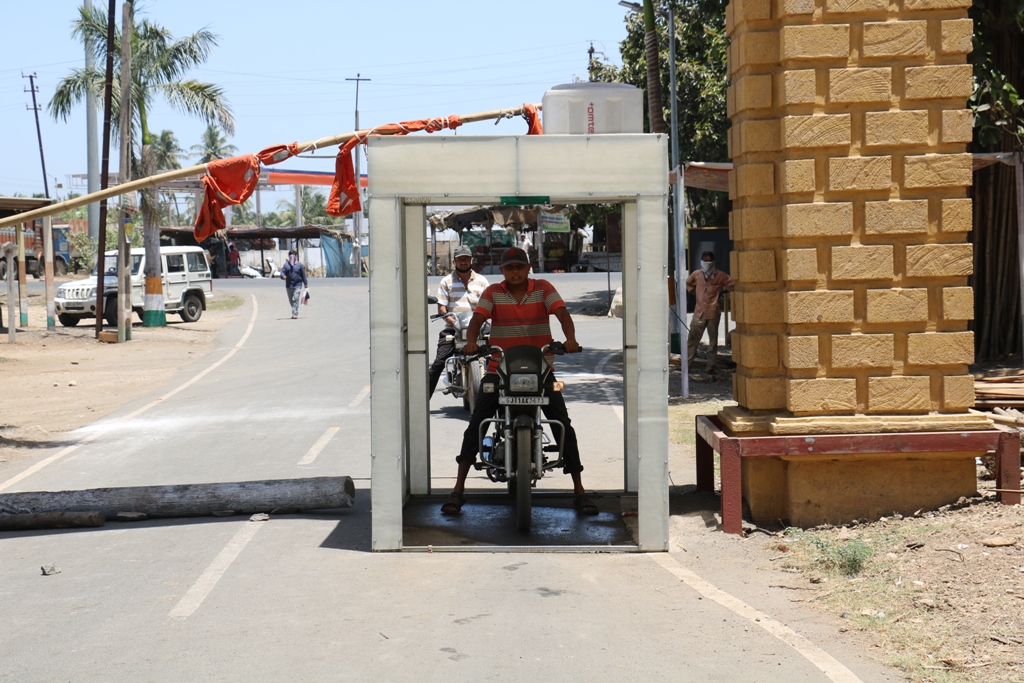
{"x":314,"y":209}
{"x":159,"y":64}
{"x":212,"y":146}
{"x":167,"y":155}
{"x":166,"y":151}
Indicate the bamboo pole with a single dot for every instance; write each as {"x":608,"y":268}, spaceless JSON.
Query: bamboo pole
{"x":200,"y":169}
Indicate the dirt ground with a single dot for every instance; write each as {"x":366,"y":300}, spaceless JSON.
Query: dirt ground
{"x":938,"y":595}
{"x":55,"y":382}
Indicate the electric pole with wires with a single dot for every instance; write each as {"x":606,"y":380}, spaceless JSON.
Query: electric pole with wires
{"x":39,"y":132}
{"x":358,"y":217}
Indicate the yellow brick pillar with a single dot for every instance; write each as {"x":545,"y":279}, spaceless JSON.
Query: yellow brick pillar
{"x":850,"y":216}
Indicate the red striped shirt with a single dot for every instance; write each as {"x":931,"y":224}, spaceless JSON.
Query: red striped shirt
{"x":516,"y":323}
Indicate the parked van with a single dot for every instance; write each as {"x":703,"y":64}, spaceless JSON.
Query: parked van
{"x":188,"y":287}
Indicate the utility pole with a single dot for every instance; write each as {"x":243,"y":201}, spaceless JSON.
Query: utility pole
{"x":590,"y":63}
{"x":91,"y":142}
{"x":358,"y":218}
{"x":101,"y":247}
{"x":124,"y":288}
{"x":39,"y":132}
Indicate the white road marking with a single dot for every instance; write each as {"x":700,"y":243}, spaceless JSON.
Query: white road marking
{"x":359,"y":397}
{"x":608,"y":391}
{"x":191,"y":601}
{"x":100,"y":430}
{"x":828,"y":665}
{"x":318,"y":446}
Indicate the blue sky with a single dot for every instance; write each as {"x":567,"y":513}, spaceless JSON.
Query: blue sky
{"x":283,"y":67}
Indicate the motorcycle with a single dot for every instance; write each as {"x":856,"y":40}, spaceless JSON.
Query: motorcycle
{"x":462,"y":376}
{"x":250,"y":272}
{"x":513,"y":445}
{"x":275,"y":272}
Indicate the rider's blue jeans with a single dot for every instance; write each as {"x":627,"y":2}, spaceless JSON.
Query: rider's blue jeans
{"x":487,"y":406}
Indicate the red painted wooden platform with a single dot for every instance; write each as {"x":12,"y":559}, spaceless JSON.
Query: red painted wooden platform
{"x":712,"y":438}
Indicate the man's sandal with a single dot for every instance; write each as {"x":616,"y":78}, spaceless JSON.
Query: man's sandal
{"x":584,"y":505}
{"x":453,"y":505}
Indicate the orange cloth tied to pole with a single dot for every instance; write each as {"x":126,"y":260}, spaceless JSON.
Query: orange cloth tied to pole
{"x":532,"y":120}
{"x":344,"y":197}
{"x":232,"y":181}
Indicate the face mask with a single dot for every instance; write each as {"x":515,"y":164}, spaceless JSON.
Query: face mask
{"x":707,"y":267}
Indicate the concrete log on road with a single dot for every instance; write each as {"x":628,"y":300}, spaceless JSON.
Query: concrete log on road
{"x":51,"y":520}
{"x":191,"y":500}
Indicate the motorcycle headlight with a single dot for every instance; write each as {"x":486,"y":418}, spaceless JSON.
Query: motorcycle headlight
{"x":523,"y":383}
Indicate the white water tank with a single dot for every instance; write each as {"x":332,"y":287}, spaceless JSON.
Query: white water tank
{"x":593,"y":109}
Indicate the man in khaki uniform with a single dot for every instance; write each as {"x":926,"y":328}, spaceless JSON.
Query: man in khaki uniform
{"x":707,"y":284}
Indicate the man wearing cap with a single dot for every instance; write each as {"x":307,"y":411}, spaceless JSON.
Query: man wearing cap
{"x":519,"y":309}
{"x":707,"y":285}
{"x":458,"y":292}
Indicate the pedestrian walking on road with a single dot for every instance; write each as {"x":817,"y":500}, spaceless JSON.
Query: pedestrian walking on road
{"x":707,"y":285}
{"x":458,"y":292}
{"x":294,"y":275}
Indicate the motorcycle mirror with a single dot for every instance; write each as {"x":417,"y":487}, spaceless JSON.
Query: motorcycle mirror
{"x":431,"y":299}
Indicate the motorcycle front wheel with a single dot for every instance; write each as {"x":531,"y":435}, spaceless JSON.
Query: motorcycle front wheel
{"x":524,"y":459}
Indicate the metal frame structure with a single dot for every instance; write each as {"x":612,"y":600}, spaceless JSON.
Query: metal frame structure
{"x":712,"y":438}
{"x":408,"y":173}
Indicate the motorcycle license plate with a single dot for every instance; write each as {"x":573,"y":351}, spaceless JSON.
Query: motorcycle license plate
{"x":523,"y":400}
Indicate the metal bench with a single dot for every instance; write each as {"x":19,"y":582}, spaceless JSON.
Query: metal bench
{"x":712,"y":438}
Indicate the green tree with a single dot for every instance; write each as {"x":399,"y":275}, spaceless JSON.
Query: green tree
{"x":997,"y":102}
{"x":167,"y":153}
{"x":701,"y":82}
{"x":244,"y":213}
{"x":314,"y":209}
{"x":159,"y":65}
{"x":212,"y":146}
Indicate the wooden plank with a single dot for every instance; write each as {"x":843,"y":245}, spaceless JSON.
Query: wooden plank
{"x":841,"y":444}
{"x":711,"y":433}
{"x":187,"y":500}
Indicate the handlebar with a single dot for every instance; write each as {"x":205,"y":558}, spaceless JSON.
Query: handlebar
{"x":555,"y":347}
{"x":558,"y":348}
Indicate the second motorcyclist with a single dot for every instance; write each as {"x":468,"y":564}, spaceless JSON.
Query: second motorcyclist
{"x":458,"y":292}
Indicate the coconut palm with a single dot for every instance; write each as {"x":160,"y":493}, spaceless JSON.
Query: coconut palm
{"x":212,"y":146}
{"x":314,"y":209}
{"x":167,"y":153}
{"x":159,"y":64}
{"x":158,"y":68}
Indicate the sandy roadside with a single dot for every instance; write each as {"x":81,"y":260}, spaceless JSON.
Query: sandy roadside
{"x":55,"y":382}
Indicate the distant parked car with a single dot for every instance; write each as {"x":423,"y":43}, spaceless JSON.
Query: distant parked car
{"x":188,"y":287}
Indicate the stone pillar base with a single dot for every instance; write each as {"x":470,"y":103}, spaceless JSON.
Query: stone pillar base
{"x":808,"y":491}
{"x":742,"y":421}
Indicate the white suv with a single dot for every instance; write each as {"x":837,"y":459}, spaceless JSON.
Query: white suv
{"x":188,"y":287}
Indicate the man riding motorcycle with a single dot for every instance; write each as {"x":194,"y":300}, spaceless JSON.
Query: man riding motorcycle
{"x":459,"y":291}
{"x":519,"y":309}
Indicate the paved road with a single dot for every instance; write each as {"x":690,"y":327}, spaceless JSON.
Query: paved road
{"x":301,"y":597}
